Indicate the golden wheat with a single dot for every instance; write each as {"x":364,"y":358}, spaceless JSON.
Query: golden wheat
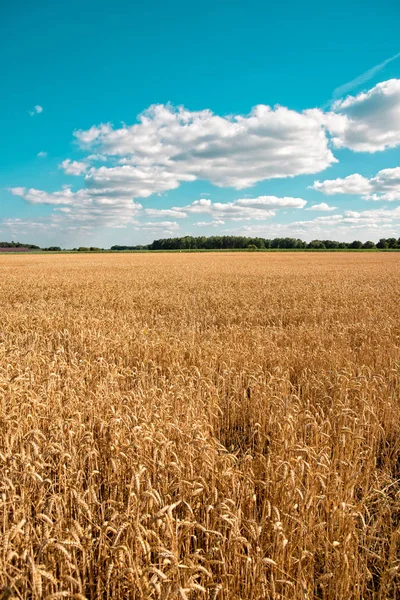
{"x":204,"y":426}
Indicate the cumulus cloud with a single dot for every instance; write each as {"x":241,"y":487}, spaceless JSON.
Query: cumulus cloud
{"x":42,"y":154}
{"x":351,"y":225}
{"x":109,"y":200}
{"x":271,"y":202}
{"x":384,"y":186}
{"x":374,"y":219}
{"x":322,"y":207}
{"x":134,"y":182}
{"x":342,"y":226}
{"x":368,"y":122}
{"x":245,"y":209}
{"x":168,"y":146}
{"x":369,"y":224}
{"x":73,"y":167}
{"x":161,"y":224}
{"x":158,"y":227}
{"x":215,"y":223}
{"x":36,"y":110}
{"x":18,"y":226}
{"x":65,"y":196}
{"x":380,"y":215}
{"x":97,"y":157}
{"x":174,"y":213}
{"x":235,"y":151}
{"x":81,"y":206}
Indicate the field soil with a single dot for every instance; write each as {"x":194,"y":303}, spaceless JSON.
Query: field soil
{"x":200,"y":426}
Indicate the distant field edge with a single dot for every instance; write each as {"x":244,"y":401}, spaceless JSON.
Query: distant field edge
{"x":197,"y":250}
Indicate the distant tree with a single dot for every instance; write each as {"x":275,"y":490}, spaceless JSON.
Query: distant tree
{"x":369,"y":245}
{"x":331,"y":244}
{"x":227,"y":242}
{"x":52,"y":249}
{"x":382,"y":244}
{"x":252,"y":247}
{"x":392,"y":243}
{"x":316,"y":244}
{"x":18,"y":245}
{"x":83,"y":249}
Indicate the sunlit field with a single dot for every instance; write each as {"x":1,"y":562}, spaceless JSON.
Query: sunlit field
{"x":203,"y":426}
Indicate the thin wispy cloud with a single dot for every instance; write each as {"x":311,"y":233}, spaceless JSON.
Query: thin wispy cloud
{"x":36,"y":110}
{"x":343,"y":89}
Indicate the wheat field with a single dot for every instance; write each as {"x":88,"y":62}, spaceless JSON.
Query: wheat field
{"x":200,"y":426}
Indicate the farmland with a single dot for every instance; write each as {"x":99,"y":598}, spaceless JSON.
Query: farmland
{"x":200,"y":426}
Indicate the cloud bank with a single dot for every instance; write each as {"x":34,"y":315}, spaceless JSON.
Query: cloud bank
{"x":235,"y":151}
{"x":384,"y":186}
{"x":368,"y":122}
{"x":168,"y":146}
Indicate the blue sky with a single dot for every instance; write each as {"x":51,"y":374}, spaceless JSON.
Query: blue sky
{"x":124,"y":122}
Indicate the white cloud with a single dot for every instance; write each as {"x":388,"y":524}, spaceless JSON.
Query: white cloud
{"x":107,"y":199}
{"x":351,"y":225}
{"x":380,"y":215}
{"x":81,"y":206}
{"x":384,"y":186}
{"x":97,"y":157}
{"x":363,"y":78}
{"x":175,"y":213}
{"x":259,"y":208}
{"x":323,"y":207}
{"x":168,"y":146}
{"x":158,"y":227}
{"x":368,"y":122}
{"x":18,"y":226}
{"x":369,"y":224}
{"x":335,"y":231}
{"x":89,"y":136}
{"x":354,"y":219}
{"x":36,"y":110}
{"x":161,"y":224}
{"x":65,"y":196}
{"x":135,"y":182}
{"x":42,"y":154}
{"x":215,"y":223}
{"x":235,"y":151}
{"x":73,"y":167}
{"x":263,"y":202}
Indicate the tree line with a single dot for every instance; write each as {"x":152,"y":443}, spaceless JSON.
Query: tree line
{"x":229,"y":242}
{"x":18,"y":245}
{"x":226,"y":242}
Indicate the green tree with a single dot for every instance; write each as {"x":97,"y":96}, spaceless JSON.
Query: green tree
{"x":382,"y":244}
{"x":369,"y":245}
{"x":316,"y":244}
